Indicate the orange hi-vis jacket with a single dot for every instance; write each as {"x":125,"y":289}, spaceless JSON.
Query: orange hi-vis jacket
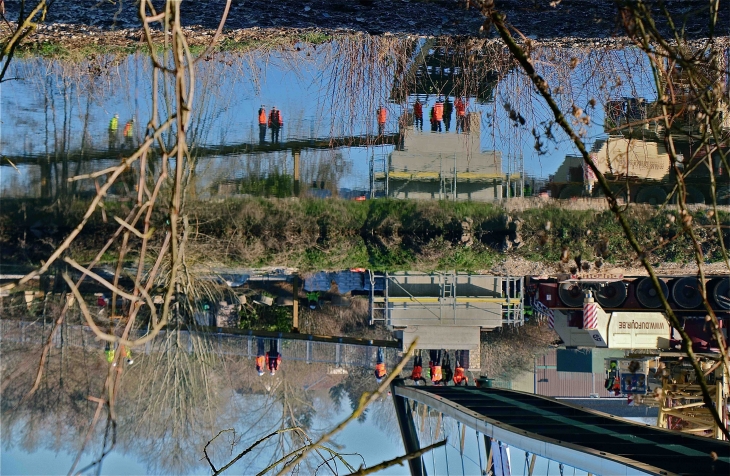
{"x":275,"y":118}
{"x":260,"y":363}
{"x":262,"y":116}
{"x":382,"y":115}
{"x":459,"y":376}
{"x":417,"y":372}
{"x":438,"y":111}
{"x":418,"y":109}
{"x":274,"y":360}
{"x":436,"y":375}
{"x":460,"y":107}
{"x":380,"y":370}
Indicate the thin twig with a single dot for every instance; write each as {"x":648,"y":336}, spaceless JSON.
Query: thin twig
{"x":365,"y":401}
{"x":398,"y":461}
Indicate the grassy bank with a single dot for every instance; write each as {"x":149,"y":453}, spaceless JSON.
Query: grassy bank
{"x":314,"y":234}
{"x":70,"y":44}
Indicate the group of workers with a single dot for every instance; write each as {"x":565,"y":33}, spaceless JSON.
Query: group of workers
{"x":441,"y":112}
{"x":439,"y":370}
{"x":274,"y":120}
{"x":110,"y":354}
{"x":127,"y":132}
{"x":270,"y":360}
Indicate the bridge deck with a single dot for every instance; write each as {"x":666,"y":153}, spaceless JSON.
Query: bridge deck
{"x":641,"y":447}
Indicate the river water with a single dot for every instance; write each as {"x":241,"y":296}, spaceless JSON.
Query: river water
{"x":58,"y":115}
{"x":185,"y":387}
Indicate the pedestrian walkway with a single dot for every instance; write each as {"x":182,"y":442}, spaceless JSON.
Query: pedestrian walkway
{"x":344,"y":353}
{"x":584,"y":439}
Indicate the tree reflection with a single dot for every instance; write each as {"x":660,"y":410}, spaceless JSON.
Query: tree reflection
{"x":177,"y":395}
{"x":174,"y":402}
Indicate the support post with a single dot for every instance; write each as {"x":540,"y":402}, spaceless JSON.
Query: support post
{"x":490,"y":456}
{"x":295,"y":311}
{"x":372,"y":176}
{"x":297,"y":167}
{"x":522,"y":176}
{"x":454,"y":188}
{"x":386,"y":310}
{"x":532,"y":465}
{"x":407,"y":430}
{"x":372,"y":297}
{"x":441,"y":177}
{"x":387,"y":174}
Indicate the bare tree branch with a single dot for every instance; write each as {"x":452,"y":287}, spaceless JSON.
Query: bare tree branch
{"x":399,"y":460}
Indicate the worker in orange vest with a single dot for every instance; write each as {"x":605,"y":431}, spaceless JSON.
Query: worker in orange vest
{"x":460,"y":105}
{"x":435,"y":365}
{"x":417,"y":372}
{"x":382,"y":117}
{"x":460,"y":370}
{"x":273,"y":357}
{"x":418,"y":114}
{"x":438,"y":113}
{"x":128,"y":133}
{"x":380,"y":366}
{"x":276,"y":122}
{"x":262,"y":124}
{"x":260,"y":357}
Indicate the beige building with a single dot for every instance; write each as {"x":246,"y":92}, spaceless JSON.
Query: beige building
{"x":433,"y":166}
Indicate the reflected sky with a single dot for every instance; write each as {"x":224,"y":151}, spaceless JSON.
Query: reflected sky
{"x":62,"y":109}
{"x":177,"y":395}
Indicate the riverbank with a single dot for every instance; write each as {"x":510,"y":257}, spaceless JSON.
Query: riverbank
{"x":114,"y":26}
{"x":333,"y":234}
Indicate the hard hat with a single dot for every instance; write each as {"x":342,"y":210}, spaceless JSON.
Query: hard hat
{"x":379,"y":379}
{"x":116,"y":115}
{"x":273,"y":372}
{"x":130,"y":361}
{"x":261,"y":372}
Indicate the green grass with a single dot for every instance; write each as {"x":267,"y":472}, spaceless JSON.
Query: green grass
{"x":58,"y":50}
{"x":315,"y":37}
{"x":314,"y":234}
{"x":468,"y":259}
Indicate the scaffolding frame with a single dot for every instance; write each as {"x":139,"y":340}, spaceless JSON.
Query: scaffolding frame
{"x":447,"y":303}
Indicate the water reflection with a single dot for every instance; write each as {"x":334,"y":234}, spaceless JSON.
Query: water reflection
{"x":330,"y":142}
{"x":404,"y":118}
{"x":181,"y":390}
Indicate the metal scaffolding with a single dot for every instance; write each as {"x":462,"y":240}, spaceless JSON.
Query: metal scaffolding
{"x":446,"y":304}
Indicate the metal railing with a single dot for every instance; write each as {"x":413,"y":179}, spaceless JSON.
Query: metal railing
{"x":338,"y":354}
